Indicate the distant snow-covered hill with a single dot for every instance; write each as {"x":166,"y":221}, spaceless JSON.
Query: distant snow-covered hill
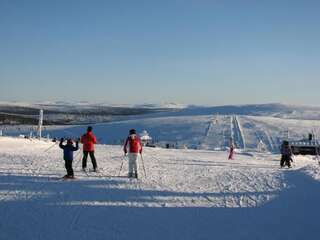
{"x":197,"y":127}
{"x":63,"y":113}
{"x":170,"y":109}
{"x":275,"y":110}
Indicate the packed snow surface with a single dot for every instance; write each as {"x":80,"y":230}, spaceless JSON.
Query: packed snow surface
{"x":186,"y":194}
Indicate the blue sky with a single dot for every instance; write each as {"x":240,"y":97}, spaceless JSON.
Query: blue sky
{"x":194,"y":52}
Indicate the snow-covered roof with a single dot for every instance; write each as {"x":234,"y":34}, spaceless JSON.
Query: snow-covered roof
{"x":145,"y":136}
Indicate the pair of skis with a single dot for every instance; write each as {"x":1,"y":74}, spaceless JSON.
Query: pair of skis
{"x":64,"y":178}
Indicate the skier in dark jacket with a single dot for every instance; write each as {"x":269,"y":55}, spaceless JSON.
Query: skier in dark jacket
{"x":68,"y":150}
{"x":286,"y":154}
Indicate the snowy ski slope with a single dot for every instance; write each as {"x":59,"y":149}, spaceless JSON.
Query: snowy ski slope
{"x":207,"y":132}
{"x":205,"y":128}
{"x":187,"y":194}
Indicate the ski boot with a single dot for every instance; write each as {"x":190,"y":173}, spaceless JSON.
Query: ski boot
{"x":68,"y":177}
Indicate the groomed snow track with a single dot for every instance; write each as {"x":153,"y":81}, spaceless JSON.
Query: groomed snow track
{"x":237,"y":133}
{"x":217,"y":133}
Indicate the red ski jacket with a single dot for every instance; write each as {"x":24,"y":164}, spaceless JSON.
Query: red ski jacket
{"x":88,"y":140}
{"x":134,"y":142}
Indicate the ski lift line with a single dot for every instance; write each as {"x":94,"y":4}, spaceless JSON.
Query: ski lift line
{"x":264,"y":137}
{"x":236,"y":131}
{"x":210,"y":126}
{"x":231,"y":127}
{"x":205,"y":143}
{"x":272,"y":145}
{"x":241,"y":132}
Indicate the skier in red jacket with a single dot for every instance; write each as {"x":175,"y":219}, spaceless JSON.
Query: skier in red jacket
{"x":232,"y":147}
{"x":135,"y":147}
{"x":89,"y":140}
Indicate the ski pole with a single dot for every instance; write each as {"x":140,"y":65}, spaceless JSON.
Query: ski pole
{"x":293,"y":160}
{"x":143,"y":166}
{"x":50,"y":147}
{"x":121,"y":165}
{"x":79,"y":154}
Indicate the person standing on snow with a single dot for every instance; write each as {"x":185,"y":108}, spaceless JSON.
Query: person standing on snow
{"x":68,"y":150}
{"x":232,"y":147}
{"x":286,"y":154}
{"x":89,"y":140}
{"x":135,"y":147}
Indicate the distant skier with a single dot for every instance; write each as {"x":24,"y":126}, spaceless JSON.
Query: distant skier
{"x":286,"y":154}
{"x":68,"y":150}
{"x":89,"y":140}
{"x":135,"y":147}
{"x":232,"y":147}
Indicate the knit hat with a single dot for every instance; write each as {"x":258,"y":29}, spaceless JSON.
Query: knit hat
{"x":132,"y":131}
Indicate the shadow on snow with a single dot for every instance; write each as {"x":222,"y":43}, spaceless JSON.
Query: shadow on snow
{"x":293,"y":214}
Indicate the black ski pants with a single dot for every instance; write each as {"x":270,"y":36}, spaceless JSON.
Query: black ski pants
{"x":93,"y":159}
{"x":285,"y":160}
{"x":68,"y":165}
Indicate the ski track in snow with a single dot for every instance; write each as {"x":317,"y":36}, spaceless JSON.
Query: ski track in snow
{"x":184,"y":191}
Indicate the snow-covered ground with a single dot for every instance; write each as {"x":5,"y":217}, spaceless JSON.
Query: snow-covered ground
{"x":186,"y":194}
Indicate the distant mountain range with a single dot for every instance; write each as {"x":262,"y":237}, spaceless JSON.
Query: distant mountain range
{"x":62,"y":113}
{"x":273,"y":109}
